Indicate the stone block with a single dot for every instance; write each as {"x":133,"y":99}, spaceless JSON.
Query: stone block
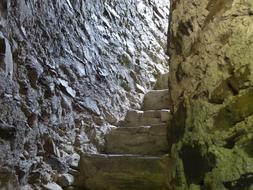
{"x":124,"y":172}
{"x":156,"y":100}
{"x":144,"y":140}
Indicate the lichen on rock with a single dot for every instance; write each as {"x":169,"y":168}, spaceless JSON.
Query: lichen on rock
{"x":211,"y":78}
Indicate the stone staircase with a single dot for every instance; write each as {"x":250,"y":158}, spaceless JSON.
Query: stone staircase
{"x":135,"y":156}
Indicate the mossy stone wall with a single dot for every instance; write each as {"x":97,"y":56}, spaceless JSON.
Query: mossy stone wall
{"x":211,"y":85}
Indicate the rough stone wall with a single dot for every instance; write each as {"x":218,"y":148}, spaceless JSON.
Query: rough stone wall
{"x":69,"y":69}
{"x":211,"y":91}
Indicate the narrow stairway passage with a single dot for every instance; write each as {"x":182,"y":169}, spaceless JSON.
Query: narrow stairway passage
{"x":135,"y":156}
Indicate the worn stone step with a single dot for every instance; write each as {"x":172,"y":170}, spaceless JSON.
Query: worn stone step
{"x":136,"y":118}
{"x":148,"y":116}
{"x":123,"y":172}
{"x":156,"y":100}
{"x":155,"y":122}
{"x":145,"y":140}
{"x":162,"y":82}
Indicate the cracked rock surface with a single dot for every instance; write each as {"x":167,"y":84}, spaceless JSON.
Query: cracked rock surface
{"x":69,"y":70}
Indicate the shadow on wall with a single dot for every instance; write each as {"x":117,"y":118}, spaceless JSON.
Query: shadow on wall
{"x":196,"y":165}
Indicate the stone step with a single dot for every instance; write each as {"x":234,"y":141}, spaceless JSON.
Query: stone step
{"x":136,"y":118}
{"x":156,"y":100}
{"x":146,"y":140}
{"x":162,"y":82}
{"x":137,"y":115}
{"x":123,"y":172}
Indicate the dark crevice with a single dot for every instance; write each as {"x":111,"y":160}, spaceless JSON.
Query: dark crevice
{"x":2,"y":47}
{"x":243,"y":183}
{"x":230,"y":142}
{"x":196,"y":165}
{"x":177,"y":125}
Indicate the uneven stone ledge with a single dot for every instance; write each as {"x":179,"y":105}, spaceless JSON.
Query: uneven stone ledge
{"x":136,"y":118}
{"x":145,"y":140}
{"x":151,"y":102}
{"x":124,"y":172}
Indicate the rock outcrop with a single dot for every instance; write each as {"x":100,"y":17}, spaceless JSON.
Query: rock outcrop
{"x":69,"y":70}
{"x":211,"y":93}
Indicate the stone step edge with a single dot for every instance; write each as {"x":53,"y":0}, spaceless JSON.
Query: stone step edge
{"x":121,"y":125}
{"x":164,"y":109}
{"x":125,"y":155}
{"x":143,"y":126}
{"x":161,"y":90}
{"x":143,"y":112}
{"x":136,"y":115}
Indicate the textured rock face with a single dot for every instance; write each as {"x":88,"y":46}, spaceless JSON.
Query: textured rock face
{"x":68,"y":70}
{"x":211,"y":85}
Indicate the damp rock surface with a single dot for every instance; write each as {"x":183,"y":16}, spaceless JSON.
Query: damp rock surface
{"x":210,"y":82}
{"x":69,"y":71}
